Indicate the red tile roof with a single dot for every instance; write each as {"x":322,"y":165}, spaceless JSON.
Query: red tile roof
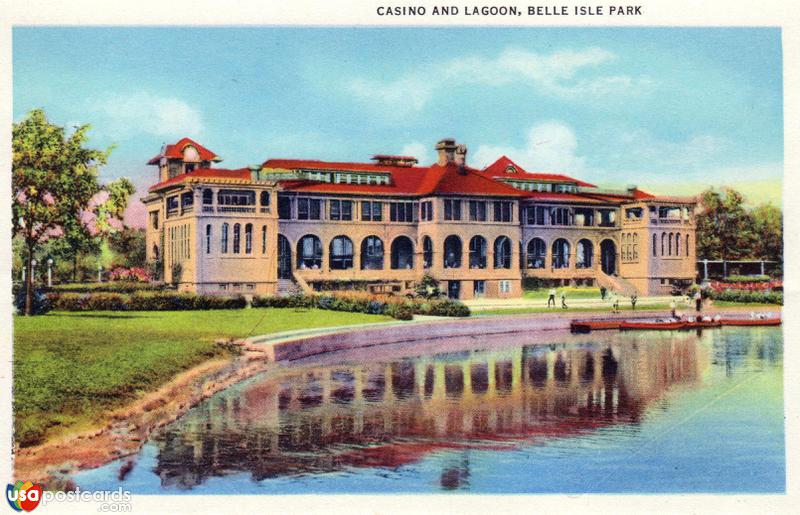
{"x":241,"y":174}
{"x":176,"y":151}
{"x":499,"y":167}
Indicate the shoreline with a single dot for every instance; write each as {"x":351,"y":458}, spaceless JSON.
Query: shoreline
{"x":131,"y":426}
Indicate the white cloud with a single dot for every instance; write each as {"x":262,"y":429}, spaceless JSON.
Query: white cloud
{"x":559,"y":73}
{"x":423,"y":153}
{"x":548,"y":147}
{"x":146,"y":113}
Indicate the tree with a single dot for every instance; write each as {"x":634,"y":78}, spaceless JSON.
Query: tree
{"x":768,"y":226}
{"x":54,"y":177}
{"x":129,"y":244}
{"x":724,"y":227}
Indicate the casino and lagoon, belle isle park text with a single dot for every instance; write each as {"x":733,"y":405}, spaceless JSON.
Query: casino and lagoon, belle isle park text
{"x":510,"y":10}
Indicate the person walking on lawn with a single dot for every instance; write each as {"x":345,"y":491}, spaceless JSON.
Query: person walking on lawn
{"x":551,"y":297}
{"x":698,"y":301}
{"x":633,"y":302}
{"x":563,"y":299}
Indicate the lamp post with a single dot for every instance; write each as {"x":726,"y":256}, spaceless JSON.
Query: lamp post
{"x":49,"y":272}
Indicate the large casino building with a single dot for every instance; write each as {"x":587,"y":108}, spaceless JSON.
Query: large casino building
{"x":293,"y":224}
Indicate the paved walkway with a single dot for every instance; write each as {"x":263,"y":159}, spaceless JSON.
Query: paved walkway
{"x":520,"y":303}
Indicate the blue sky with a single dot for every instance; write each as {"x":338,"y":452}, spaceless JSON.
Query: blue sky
{"x":669,"y":109}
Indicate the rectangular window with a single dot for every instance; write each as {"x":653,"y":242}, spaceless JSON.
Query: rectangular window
{"x":172,"y":205}
{"x":505,"y":286}
{"x":263,"y":239}
{"x":341,"y":210}
{"x":284,"y":207}
{"x":560,"y":216}
{"x":236,"y":198}
{"x":479,"y":288}
{"x":502,"y":211}
{"x":477,"y":211}
{"x":308,"y":208}
{"x":452,"y":209}
{"x":403,"y":211}
{"x":248,"y":238}
{"x":208,"y":239}
{"x":426,"y":209}
{"x":371,"y":211}
{"x":154,"y":219}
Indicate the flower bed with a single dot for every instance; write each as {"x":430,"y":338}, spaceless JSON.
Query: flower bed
{"x":133,"y":274}
{"x":758,"y":286}
{"x":141,"y":301}
{"x":362,"y":302}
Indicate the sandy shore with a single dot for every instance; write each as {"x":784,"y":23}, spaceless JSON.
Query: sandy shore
{"x":130,"y":427}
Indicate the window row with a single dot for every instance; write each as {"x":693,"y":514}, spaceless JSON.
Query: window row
{"x":234,"y":238}
{"x":670,"y":244}
{"x":581,"y":217}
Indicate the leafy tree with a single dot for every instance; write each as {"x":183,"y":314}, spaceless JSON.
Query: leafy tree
{"x":129,"y":244}
{"x":54,"y":177}
{"x":768,"y":227}
{"x":724,"y":226}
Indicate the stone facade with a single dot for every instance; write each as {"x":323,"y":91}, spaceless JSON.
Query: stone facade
{"x":385,"y":225}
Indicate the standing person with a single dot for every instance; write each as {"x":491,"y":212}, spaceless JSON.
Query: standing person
{"x":616,"y":304}
{"x":603,"y":293}
{"x":698,"y":301}
{"x":563,"y":299}
{"x":551,"y":297}
{"x":672,"y":307}
{"x":633,"y":302}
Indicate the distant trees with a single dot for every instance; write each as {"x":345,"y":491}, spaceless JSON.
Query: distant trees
{"x":728,"y":229}
{"x":54,"y":180}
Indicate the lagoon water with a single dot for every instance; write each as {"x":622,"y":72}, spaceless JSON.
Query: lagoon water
{"x":608,"y":412}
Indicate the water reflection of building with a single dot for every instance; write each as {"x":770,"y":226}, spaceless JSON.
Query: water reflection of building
{"x":308,"y":420}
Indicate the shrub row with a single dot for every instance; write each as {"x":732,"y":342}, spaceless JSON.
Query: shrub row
{"x":141,"y":301}
{"x":358,"y":302}
{"x":111,"y":287}
{"x":746,"y":278}
{"x":765,"y":297}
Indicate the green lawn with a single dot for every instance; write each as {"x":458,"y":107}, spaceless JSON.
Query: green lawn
{"x":572,"y":293}
{"x":593,"y":309}
{"x":70,"y":369}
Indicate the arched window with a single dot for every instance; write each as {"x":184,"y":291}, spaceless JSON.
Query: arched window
{"x":452,"y":252}
{"x":248,"y":239}
{"x":537,"y":251}
{"x":341,"y":253}
{"x":402,"y":253}
{"x":264,"y":198}
{"x":427,"y":252}
{"x":583,"y":254}
{"x":372,"y":253}
{"x":237,"y":236}
{"x":663,"y":242}
{"x":654,"y":245}
{"x":155,"y":252}
{"x":208,"y":197}
{"x":263,"y":239}
{"x":669,"y":244}
{"x":309,"y":252}
{"x":687,"y":245}
{"x":223,"y":244}
{"x":502,"y":252}
{"x":208,"y":238}
{"x":677,"y":244}
{"x":477,"y":252}
{"x":561,"y":253}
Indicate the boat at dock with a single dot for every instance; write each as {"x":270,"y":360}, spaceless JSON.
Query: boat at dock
{"x":668,"y":324}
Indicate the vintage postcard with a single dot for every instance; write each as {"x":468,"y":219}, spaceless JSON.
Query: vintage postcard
{"x":435,"y":253}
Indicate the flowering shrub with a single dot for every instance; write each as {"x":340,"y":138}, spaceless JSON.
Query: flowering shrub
{"x":134,"y":274}
{"x":111,"y":287}
{"x":758,"y":286}
{"x":734,"y":295}
{"x":141,"y":301}
{"x":400,"y":308}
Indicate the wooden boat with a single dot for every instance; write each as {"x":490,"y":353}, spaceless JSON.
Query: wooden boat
{"x":585,"y":326}
{"x":751,"y":321}
{"x":662,"y":325}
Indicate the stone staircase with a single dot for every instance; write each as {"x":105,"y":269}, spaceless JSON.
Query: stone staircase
{"x":287,"y":288}
{"x":616,"y":284}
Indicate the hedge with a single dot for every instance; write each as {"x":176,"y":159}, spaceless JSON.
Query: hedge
{"x":746,"y":279}
{"x":141,"y":301}
{"x":357,"y":302}
{"x":765,"y":297}
{"x":110,"y":287}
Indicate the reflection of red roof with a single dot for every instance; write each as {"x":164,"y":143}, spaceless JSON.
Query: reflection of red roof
{"x":205,"y":173}
{"x":176,"y":151}
{"x":499,"y":168}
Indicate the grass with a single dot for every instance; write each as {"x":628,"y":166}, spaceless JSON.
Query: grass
{"x":572,"y":293}
{"x":587,"y":309}
{"x":71,"y":369}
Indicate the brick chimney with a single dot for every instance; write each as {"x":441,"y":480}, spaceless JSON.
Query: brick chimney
{"x":446,"y":149}
{"x":461,"y":155}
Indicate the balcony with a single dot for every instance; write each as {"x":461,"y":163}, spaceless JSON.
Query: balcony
{"x":236,"y":209}
{"x":667,"y":221}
